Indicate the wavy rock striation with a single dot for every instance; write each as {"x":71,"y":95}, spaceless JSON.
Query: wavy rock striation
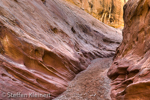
{"x":130,"y":71}
{"x":45,"y":43}
{"x":108,"y":11}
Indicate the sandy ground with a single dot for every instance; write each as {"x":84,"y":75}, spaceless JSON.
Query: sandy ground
{"x":91,"y":84}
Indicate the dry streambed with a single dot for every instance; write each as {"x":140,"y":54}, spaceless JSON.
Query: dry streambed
{"x":91,"y":84}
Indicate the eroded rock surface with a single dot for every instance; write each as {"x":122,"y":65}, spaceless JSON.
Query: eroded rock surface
{"x":108,"y":11}
{"x":45,"y":43}
{"x":130,"y":71}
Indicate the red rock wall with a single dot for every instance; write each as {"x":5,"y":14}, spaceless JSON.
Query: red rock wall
{"x":109,"y":12}
{"x":130,"y":71}
{"x":44,"y":44}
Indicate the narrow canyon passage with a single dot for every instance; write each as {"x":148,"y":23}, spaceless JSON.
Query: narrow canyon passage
{"x":44,"y":44}
{"x":91,"y":84}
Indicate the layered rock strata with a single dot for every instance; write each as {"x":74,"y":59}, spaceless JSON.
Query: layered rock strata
{"x":108,"y":11}
{"x":45,"y":43}
{"x":130,"y":71}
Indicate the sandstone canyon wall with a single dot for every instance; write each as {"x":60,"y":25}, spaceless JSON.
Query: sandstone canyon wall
{"x":108,"y":11}
{"x":45,"y":43}
{"x":130,"y":72}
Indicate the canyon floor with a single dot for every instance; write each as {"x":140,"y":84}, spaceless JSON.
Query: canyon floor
{"x":53,"y":47}
{"x":91,"y":84}
{"x":45,"y":45}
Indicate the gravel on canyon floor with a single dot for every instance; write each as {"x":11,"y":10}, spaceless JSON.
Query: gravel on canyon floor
{"x":91,"y":84}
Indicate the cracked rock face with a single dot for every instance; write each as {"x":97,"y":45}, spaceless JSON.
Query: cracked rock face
{"x":108,"y":11}
{"x":130,"y":72}
{"x":45,"y":43}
